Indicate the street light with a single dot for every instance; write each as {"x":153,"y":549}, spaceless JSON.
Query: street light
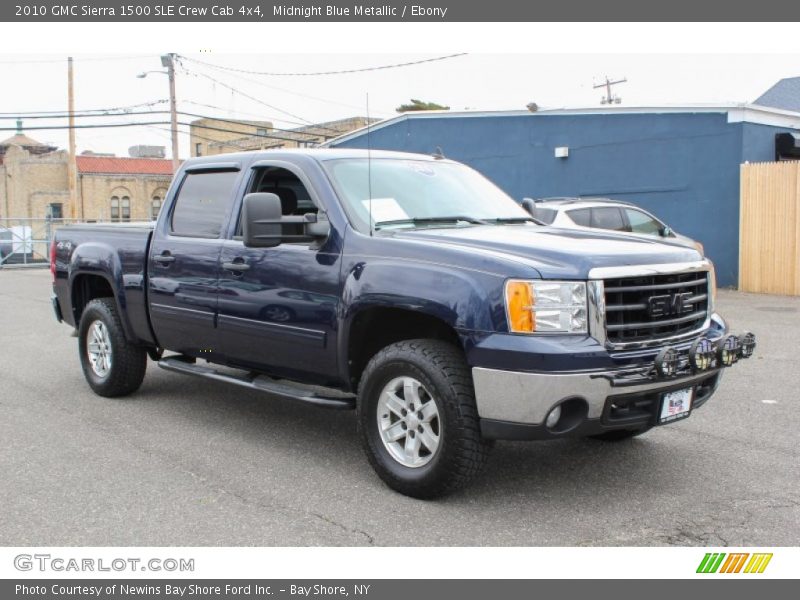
{"x":168,"y":61}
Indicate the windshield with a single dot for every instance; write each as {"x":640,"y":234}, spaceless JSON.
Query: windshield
{"x":415,"y":193}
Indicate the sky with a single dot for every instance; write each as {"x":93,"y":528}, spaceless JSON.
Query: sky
{"x":473,"y":81}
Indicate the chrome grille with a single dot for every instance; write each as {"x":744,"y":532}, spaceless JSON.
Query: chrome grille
{"x":651,"y":307}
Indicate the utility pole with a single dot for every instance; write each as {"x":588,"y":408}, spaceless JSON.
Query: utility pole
{"x":609,"y":98}
{"x":168,"y":61}
{"x":72,"y":170}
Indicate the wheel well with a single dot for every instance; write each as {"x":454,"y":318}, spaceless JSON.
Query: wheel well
{"x":375,"y":328}
{"x":86,"y":288}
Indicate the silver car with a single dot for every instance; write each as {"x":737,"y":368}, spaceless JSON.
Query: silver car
{"x":604,"y":213}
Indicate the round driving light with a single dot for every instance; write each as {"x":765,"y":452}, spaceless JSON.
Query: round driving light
{"x":701,"y":354}
{"x":748,"y":345}
{"x":728,"y":350}
{"x":552,"y":417}
{"x":667,"y":362}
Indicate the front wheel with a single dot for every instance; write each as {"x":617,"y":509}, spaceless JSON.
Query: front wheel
{"x":417,"y":418}
{"x":112,"y":366}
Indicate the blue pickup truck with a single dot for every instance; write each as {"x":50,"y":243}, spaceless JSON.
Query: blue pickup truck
{"x":406,"y":287}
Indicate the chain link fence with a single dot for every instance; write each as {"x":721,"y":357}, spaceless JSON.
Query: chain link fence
{"x":26,"y":242}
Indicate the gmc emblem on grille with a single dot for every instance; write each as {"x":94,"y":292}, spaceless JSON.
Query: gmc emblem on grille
{"x":668,"y":304}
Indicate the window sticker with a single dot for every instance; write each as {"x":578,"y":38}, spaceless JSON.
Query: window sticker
{"x":385,"y":209}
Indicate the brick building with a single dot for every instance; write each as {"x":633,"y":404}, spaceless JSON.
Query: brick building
{"x":210,"y":136}
{"x":34,"y":183}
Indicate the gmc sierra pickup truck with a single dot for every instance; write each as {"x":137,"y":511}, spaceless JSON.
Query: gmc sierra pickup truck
{"x":406,"y":287}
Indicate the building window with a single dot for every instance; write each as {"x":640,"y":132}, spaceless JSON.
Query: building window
{"x":120,"y":209}
{"x":155,"y":207}
{"x":261,"y":131}
{"x":198,"y":149}
{"x":55,"y":210}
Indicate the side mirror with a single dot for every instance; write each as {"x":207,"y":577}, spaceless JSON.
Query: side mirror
{"x":666,"y":231}
{"x":261,"y":220}
{"x":529,"y":205}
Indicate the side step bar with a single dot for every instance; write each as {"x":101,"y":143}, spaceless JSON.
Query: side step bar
{"x":262,"y":383}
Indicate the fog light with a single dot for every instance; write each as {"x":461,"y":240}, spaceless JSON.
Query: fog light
{"x":701,"y":354}
{"x":728,"y":350}
{"x":552,"y":417}
{"x":748,"y":345}
{"x":667,"y":362}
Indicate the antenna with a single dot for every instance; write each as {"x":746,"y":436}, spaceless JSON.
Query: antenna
{"x":369,"y":169}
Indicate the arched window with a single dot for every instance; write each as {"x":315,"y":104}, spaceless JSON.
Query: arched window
{"x":120,"y":206}
{"x":156,"y":201}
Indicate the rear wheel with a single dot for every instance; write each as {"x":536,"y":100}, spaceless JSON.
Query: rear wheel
{"x":112,"y":366}
{"x":620,"y":434}
{"x":417,"y":418}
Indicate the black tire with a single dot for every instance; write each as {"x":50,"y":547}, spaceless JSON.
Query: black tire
{"x":128,"y":362}
{"x":619,"y":435}
{"x":444,"y":374}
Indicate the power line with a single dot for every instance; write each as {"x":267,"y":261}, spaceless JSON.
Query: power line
{"x":78,"y":59}
{"x":186,"y":114}
{"x":301,"y":95}
{"x":123,"y":109}
{"x":148,"y":123}
{"x":241,"y":93}
{"x":317,"y":73}
{"x":261,"y":117}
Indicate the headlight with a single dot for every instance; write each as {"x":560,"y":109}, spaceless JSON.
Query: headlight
{"x":712,"y":277}
{"x":546,"y":306}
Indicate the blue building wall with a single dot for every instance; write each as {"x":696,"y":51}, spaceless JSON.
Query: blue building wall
{"x":683,"y":167}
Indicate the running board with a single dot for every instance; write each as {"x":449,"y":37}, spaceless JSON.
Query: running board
{"x":261,"y":383}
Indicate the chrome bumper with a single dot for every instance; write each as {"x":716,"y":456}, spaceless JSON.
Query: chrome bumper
{"x":528,"y":397}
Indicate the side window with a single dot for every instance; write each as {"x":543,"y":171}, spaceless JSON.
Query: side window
{"x":608,"y":217}
{"x":581,"y":216}
{"x":295,"y":199}
{"x":202,"y":203}
{"x":642,"y":223}
{"x":545,"y":215}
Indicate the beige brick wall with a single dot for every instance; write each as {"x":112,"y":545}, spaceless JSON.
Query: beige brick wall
{"x":30,"y":183}
{"x":97,"y":190}
{"x":203,"y":139}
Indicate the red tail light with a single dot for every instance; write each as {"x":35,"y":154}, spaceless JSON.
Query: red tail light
{"x":53,"y":259}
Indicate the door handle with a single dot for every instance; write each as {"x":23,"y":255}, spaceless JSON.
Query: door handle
{"x":164,"y":258}
{"x":238,"y":266}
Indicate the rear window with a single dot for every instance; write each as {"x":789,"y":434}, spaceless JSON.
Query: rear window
{"x":581,"y":216}
{"x":202,"y":204}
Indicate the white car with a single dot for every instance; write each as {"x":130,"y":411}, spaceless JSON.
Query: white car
{"x":604,"y":213}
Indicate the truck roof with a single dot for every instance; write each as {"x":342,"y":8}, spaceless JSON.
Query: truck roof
{"x":319,"y":154}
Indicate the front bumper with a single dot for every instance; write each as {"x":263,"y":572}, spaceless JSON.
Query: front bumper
{"x":611,"y":391}
{"x":514,"y":405}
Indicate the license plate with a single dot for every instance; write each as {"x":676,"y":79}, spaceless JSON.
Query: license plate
{"x":676,"y":405}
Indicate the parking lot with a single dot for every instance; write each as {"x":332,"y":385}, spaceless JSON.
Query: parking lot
{"x":189,"y":462}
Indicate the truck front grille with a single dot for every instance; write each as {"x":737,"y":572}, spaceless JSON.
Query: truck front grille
{"x":651,"y":307}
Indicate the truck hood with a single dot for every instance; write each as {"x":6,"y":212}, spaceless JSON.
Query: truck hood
{"x":555,"y":253}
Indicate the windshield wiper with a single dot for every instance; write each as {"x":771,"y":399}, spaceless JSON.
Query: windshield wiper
{"x":516,"y":220}
{"x":424,"y":220}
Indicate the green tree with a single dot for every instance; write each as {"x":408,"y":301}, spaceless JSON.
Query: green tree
{"x":420,"y":105}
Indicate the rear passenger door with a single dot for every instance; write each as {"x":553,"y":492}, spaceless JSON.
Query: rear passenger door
{"x":183,"y":267}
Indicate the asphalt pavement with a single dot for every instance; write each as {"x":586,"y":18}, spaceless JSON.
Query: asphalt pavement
{"x":187,"y":462}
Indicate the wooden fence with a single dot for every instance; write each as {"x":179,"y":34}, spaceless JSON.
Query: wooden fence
{"x":769,"y":230}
